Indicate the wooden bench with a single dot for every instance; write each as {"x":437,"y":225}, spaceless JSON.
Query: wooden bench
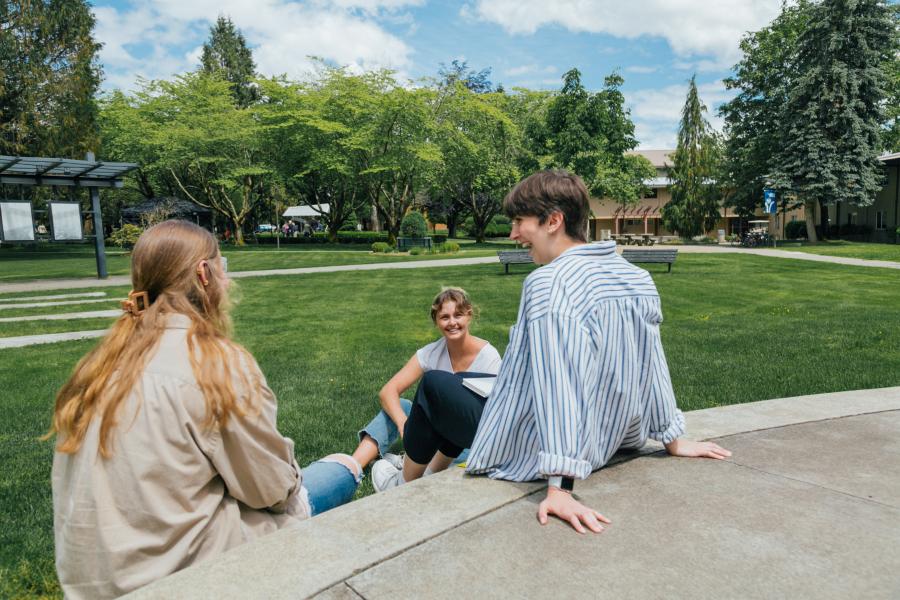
{"x":640,"y":255}
{"x":513,"y":257}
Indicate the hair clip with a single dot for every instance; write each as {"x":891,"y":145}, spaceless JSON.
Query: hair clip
{"x":136,"y":303}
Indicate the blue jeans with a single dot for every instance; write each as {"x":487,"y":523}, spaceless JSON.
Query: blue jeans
{"x":328,"y":485}
{"x":384,"y":431}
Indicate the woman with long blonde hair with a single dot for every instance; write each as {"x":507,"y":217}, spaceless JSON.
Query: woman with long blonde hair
{"x":167,"y":450}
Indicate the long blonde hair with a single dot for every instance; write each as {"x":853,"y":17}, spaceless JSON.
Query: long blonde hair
{"x":164,"y":264}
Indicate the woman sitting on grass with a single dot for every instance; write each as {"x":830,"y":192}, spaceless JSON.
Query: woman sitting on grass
{"x":456,"y":351}
{"x":167,"y":451}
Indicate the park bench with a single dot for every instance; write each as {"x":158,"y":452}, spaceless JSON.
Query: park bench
{"x":405,"y":243}
{"x":640,"y":255}
{"x":513,"y":257}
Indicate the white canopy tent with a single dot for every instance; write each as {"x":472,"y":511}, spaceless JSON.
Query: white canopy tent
{"x":305,"y":212}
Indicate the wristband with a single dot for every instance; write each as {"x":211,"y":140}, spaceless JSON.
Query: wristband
{"x":566,"y":484}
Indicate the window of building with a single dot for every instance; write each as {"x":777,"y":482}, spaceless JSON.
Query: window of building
{"x":851,"y":218}
{"x":879,"y":220}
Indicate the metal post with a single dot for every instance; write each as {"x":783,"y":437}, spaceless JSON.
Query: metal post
{"x":99,"y":243}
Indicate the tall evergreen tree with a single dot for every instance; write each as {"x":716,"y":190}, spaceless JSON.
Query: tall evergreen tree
{"x":49,"y":75}
{"x":834,"y":111}
{"x":226,"y":55}
{"x":694,"y":208}
{"x":753,"y":126}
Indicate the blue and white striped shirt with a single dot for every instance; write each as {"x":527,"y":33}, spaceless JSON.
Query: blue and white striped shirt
{"x":584,"y":373}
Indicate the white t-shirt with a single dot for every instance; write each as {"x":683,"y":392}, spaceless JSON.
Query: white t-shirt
{"x":435,"y":356}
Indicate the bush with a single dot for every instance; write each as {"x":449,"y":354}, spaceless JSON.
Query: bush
{"x":450,"y":247}
{"x":320,"y":237}
{"x":416,"y":250}
{"x":413,"y":225}
{"x":795,"y":230}
{"x":126,"y":236}
{"x":381,"y":247}
{"x":438,"y":238}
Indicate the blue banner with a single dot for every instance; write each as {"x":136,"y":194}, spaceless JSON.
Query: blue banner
{"x":771,"y":206}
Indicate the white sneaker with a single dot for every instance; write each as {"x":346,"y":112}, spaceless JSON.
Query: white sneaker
{"x":385,"y":475}
{"x":394,"y":459}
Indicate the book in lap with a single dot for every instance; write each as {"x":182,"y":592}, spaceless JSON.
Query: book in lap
{"x":480,"y":385}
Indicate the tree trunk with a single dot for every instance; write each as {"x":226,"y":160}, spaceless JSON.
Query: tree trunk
{"x":809,"y":209}
{"x":823,"y":219}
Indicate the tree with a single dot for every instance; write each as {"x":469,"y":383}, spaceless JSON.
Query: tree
{"x":891,"y":131}
{"x":694,"y":207}
{"x":835,"y":108}
{"x":753,"y":118}
{"x":623,"y":180}
{"x":397,"y":148}
{"x":49,"y":75}
{"x":478,"y":82}
{"x":478,"y":143}
{"x":226,"y":55}
{"x":311,"y":134}
{"x":193,"y":137}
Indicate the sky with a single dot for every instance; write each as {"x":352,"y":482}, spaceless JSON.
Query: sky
{"x":656,"y":45}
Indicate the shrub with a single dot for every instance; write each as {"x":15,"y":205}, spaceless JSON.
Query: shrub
{"x":450,"y":247}
{"x":413,"y":225}
{"x":126,"y":236}
{"x":438,"y":238}
{"x":381,"y":247}
{"x":416,"y":250}
{"x":320,"y":237}
{"x":795,"y":230}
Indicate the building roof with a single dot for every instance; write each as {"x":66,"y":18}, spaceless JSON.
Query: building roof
{"x":312,"y":210}
{"x":890,"y":159}
{"x":658,"y":158}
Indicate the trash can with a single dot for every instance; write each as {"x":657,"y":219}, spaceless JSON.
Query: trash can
{"x":604,"y":234}
{"x":721,"y":236}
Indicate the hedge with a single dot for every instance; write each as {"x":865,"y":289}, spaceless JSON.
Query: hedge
{"x":320,"y":237}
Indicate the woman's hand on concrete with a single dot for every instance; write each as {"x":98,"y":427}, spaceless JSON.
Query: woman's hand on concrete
{"x":561,"y":504}
{"x":692,"y":449}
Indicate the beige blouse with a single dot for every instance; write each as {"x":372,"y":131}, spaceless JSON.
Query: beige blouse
{"x":173,"y":492}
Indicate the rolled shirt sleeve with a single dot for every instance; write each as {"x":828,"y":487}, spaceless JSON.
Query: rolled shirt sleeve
{"x":560,"y":353}
{"x":665,"y":419}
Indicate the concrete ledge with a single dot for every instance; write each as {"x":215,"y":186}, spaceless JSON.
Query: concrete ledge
{"x":320,"y":554}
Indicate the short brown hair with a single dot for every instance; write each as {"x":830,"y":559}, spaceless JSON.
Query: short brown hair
{"x":546,"y":192}
{"x":451,"y":294}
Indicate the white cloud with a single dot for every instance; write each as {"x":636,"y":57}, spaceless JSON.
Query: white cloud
{"x":690,"y":27}
{"x":149,"y":39}
{"x":640,"y":69}
{"x":529,"y":69}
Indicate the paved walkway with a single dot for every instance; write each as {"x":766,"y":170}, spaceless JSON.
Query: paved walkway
{"x":121,"y":280}
{"x":49,"y":338}
{"x":808,"y":507}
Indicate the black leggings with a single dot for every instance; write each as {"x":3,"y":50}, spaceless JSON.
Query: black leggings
{"x":444,"y":416}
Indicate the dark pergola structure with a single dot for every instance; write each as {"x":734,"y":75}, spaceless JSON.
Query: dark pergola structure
{"x":67,"y":172}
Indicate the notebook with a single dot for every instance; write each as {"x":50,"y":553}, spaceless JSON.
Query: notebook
{"x":480,"y":385}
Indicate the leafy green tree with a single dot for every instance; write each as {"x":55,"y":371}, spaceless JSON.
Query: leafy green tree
{"x":891,"y":131}
{"x":226,"y":55}
{"x":478,"y":143}
{"x":459,"y":71}
{"x":312,"y":137}
{"x":835,"y":108}
{"x":49,"y":75}
{"x":397,"y":148}
{"x":193,"y":137}
{"x":694,"y":207}
{"x":623,"y":180}
{"x":753,"y":122}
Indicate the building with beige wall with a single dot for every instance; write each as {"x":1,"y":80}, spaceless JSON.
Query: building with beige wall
{"x":645,"y":216}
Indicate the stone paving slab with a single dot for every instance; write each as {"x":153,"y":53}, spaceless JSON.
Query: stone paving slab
{"x":681,"y":528}
{"x":49,"y":338}
{"x":858,"y":456}
{"x":90,"y":314}
{"x":353,"y":542}
{"x":57,"y":303}
{"x":54,"y":297}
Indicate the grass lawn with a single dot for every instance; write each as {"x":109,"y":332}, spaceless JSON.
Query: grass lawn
{"x":50,"y":262}
{"x":738,"y":328}
{"x":848,"y":249}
